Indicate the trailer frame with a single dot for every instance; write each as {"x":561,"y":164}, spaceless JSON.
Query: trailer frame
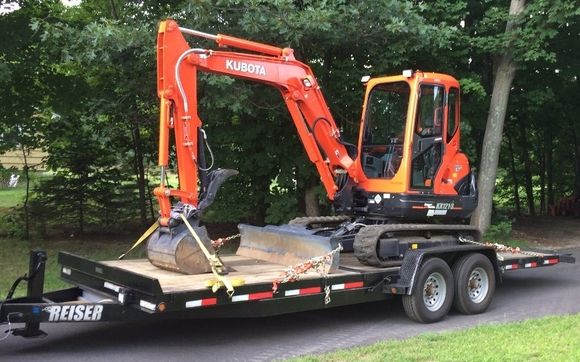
{"x":103,"y":292}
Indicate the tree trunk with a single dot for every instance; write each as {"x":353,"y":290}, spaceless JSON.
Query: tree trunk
{"x":114,"y":14}
{"x":542,"y":174}
{"x":549,"y":166}
{"x":311,"y":206}
{"x":514,"y":171}
{"x":577,"y":158}
{"x":505,"y":72}
{"x":81,"y":211}
{"x":528,"y":181}
{"x":140,"y":173}
{"x":149,"y":194}
{"x":27,"y":195}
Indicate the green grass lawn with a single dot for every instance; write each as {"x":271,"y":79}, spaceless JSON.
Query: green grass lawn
{"x":11,"y":196}
{"x":546,"y":339}
{"x":14,"y":256}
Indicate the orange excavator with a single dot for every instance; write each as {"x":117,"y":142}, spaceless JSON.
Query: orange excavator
{"x":406,"y":184}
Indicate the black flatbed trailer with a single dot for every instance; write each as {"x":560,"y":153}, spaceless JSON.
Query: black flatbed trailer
{"x":129,"y":290}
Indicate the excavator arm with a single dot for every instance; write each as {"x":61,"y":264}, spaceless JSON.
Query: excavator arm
{"x":178,"y":65}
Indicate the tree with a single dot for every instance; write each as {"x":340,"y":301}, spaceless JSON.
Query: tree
{"x":24,"y":71}
{"x":106,"y":57}
{"x":505,"y":70}
{"x":95,"y":83}
{"x":529,"y":30}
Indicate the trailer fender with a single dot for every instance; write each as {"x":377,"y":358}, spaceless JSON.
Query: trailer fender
{"x":413,"y":260}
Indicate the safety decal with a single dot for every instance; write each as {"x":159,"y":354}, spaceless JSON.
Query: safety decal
{"x":376,"y":200}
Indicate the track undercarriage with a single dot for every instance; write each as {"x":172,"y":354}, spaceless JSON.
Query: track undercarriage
{"x":383,"y":243}
{"x":374,"y":242}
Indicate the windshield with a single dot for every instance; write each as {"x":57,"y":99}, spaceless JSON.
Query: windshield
{"x":382,"y":145}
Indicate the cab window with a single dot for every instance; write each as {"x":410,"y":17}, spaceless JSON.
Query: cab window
{"x":383,"y":137}
{"x":452,"y":113}
{"x":430,"y":111}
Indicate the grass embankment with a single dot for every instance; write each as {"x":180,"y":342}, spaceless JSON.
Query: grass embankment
{"x":546,"y":339}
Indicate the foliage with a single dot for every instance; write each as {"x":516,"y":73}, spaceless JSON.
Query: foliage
{"x":268,"y":148}
{"x":282,"y":208}
{"x":533,"y":340}
{"x":500,"y":228}
{"x":22,"y":68}
{"x":80,"y":82}
{"x":91,"y":124}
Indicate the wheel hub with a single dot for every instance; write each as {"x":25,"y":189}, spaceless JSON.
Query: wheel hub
{"x":477,"y":285}
{"x":434,"y":291}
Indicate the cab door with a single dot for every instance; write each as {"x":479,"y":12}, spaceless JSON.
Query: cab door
{"x":428,"y":146}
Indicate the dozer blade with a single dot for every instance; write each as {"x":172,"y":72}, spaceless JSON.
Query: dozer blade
{"x":285,"y":244}
{"x":178,"y":251}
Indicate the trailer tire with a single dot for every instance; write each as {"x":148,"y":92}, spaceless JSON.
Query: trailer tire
{"x":474,"y":283}
{"x":433,"y":293}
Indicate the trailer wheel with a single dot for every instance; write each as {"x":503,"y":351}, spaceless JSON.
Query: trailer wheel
{"x":474,"y":283}
{"x":433,"y":294}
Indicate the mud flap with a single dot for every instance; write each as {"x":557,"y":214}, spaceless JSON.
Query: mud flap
{"x":285,"y":244}
{"x":177,"y":250}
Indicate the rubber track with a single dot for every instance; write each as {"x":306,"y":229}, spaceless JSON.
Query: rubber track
{"x":365,"y":241}
{"x":309,"y":220}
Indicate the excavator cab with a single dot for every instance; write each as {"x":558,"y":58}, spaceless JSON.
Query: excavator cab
{"x":410,"y":162}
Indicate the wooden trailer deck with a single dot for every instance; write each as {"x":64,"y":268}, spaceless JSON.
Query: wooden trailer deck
{"x":252,"y":271}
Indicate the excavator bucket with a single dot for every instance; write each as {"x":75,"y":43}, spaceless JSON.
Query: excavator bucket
{"x":285,"y":244}
{"x":177,"y":250}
